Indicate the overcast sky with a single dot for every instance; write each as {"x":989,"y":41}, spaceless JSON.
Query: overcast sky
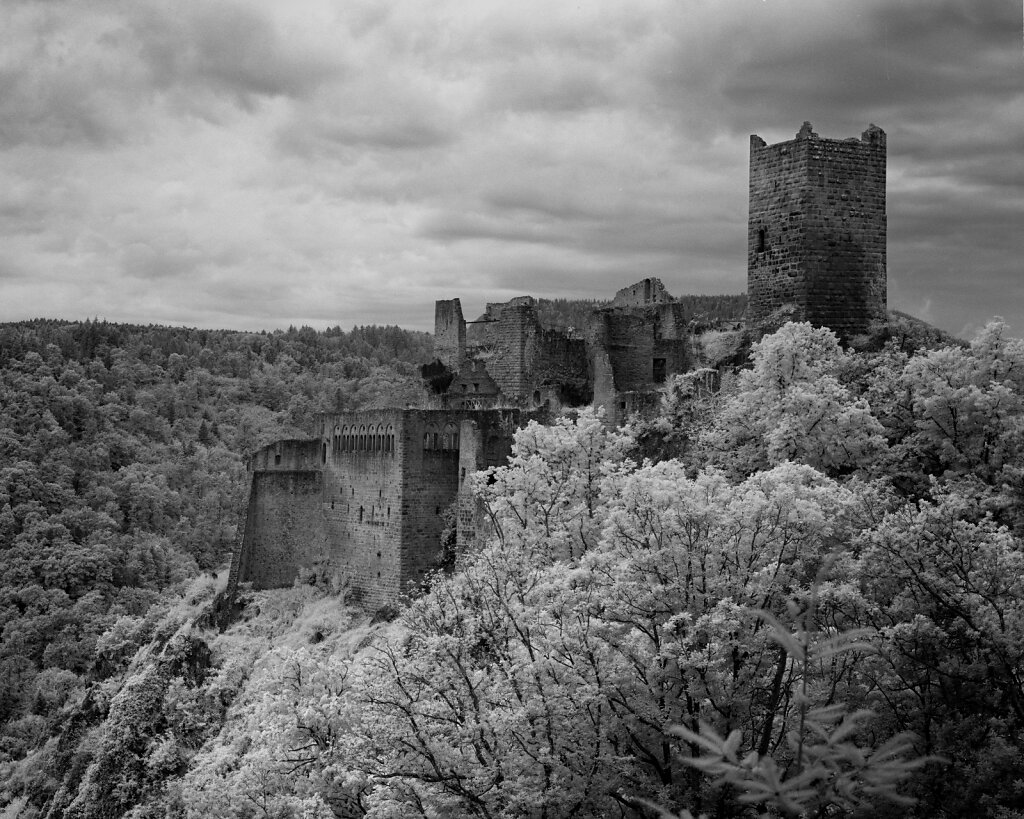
{"x":252,"y":165}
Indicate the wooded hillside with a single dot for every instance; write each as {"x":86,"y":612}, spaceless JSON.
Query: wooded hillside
{"x":121,"y":474}
{"x":797,"y":595}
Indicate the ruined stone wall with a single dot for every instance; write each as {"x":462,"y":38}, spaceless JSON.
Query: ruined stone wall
{"x":633,"y":351}
{"x":292,"y":455}
{"x":643,"y":293}
{"x":640,"y":353}
{"x":449,"y":333}
{"x":670,"y":322}
{"x":283,"y":529}
{"x":511,"y":359}
{"x":559,"y":368}
{"x":494,"y":310}
{"x":471,"y":522}
{"x":433,"y":475}
{"x":472,"y":388}
{"x":509,"y":338}
{"x":606,"y":397}
{"x":430,"y":471}
{"x":486,"y":441}
{"x":817,"y":230}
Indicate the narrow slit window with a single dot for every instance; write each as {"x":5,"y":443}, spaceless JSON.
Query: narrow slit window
{"x":760,"y":240}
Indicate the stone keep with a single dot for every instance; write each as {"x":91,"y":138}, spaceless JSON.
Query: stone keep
{"x":816,"y":231}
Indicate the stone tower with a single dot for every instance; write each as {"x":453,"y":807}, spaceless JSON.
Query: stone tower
{"x":816,"y":230}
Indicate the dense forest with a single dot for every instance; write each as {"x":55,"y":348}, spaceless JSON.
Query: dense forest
{"x":796,"y":591}
{"x":121,"y":475}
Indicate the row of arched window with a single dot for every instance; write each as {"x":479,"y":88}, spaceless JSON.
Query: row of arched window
{"x":444,"y":440}
{"x":380,"y":438}
{"x":364,"y":438}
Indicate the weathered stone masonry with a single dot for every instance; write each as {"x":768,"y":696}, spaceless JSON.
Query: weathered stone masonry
{"x":816,"y":239}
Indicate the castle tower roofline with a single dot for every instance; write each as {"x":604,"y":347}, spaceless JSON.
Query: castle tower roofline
{"x":872,"y":135}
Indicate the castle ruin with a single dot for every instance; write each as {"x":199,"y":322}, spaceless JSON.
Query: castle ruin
{"x":365,"y":501}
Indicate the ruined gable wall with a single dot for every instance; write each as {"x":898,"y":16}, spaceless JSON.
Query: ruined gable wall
{"x":817,"y":229}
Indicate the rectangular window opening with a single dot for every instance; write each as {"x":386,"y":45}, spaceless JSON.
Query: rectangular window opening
{"x":659,"y":370}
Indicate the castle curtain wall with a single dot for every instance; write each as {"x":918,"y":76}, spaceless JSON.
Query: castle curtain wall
{"x":362,"y":503}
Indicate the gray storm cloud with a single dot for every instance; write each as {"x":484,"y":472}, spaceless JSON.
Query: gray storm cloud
{"x":263,"y":164}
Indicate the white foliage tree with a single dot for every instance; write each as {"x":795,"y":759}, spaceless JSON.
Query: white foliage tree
{"x":791,"y":406}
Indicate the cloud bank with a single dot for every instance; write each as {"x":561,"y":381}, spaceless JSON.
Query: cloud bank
{"x":261,"y":164}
